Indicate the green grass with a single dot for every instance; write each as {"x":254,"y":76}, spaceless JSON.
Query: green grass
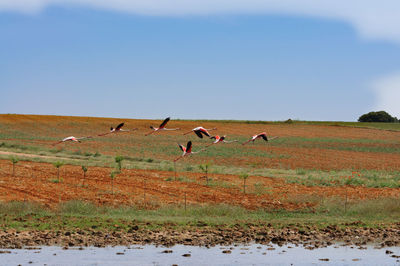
{"x":77,"y":215}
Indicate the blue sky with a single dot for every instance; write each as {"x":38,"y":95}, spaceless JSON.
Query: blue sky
{"x":101,"y":61}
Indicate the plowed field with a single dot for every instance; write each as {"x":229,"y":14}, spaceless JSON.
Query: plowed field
{"x":36,"y":182}
{"x":298,"y":147}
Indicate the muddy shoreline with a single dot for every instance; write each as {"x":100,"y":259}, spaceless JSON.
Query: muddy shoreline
{"x":311,"y":237}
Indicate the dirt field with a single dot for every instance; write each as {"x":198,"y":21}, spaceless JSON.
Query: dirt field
{"x":298,"y":147}
{"x":36,"y":182}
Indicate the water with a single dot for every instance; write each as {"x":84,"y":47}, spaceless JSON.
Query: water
{"x":240,"y":255}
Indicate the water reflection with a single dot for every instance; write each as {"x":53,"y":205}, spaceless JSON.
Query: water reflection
{"x":188,"y":255}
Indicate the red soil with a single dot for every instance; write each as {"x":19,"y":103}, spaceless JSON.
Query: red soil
{"x":33,"y":182}
{"x":315,"y":157}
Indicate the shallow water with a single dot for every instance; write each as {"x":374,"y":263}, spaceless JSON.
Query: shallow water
{"x":240,"y":255}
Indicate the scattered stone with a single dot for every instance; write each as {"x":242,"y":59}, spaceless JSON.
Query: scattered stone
{"x":395,"y":256}
{"x":227,"y":251}
{"x":167,"y":251}
{"x":389,"y":252}
{"x":325,"y":259}
{"x":5,"y":252}
{"x":120,"y":253}
{"x":186,"y":255}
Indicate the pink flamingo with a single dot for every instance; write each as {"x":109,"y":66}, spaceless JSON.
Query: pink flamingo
{"x":72,"y":138}
{"x":161,"y":127}
{"x":117,"y":129}
{"x":187,"y":150}
{"x":200,"y":131}
{"x":262,"y":135}
{"x":219,"y":139}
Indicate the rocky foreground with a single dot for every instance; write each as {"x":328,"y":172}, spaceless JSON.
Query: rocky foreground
{"x":311,"y":237}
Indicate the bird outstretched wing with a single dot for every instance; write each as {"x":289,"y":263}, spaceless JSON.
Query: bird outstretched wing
{"x":205,"y":132}
{"x":189,"y":147}
{"x":198,"y":133}
{"x":119,"y":126}
{"x":181,"y":146}
{"x":164,"y":122}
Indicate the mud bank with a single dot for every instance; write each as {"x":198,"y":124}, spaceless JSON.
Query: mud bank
{"x":309,"y":237}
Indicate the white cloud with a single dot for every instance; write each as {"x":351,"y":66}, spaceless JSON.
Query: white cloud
{"x":371,"y":18}
{"x":387,"y":90}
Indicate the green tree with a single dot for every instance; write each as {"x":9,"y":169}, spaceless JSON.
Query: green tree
{"x":205,"y":168}
{"x":14,"y":161}
{"x":84,"y":169}
{"x":380,"y":116}
{"x":118,"y":160}
{"x":244,"y":177}
{"x":57,"y":165}
{"x":113,"y":174}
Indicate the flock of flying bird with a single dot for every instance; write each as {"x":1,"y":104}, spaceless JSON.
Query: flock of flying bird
{"x":199,"y":131}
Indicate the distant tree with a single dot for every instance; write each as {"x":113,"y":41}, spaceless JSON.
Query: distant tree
{"x":84,"y":169}
{"x":380,"y":116}
{"x":57,"y":165}
{"x":14,"y":161}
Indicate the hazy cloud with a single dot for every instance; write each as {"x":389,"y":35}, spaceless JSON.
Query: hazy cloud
{"x":371,"y":18}
{"x":387,"y":90}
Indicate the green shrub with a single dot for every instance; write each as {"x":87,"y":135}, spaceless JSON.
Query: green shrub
{"x":380,"y":116}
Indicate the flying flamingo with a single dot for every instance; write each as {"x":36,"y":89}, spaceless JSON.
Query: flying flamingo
{"x":262,"y":135}
{"x":72,"y":138}
{"x":187,"y":150}
{"x":161,"y":127}
{"x":219,"y":139}
{"x":117,"y":129}
{"x":200,"y":131}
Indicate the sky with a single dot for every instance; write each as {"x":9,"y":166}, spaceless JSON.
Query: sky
{"x":248,"y":60}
